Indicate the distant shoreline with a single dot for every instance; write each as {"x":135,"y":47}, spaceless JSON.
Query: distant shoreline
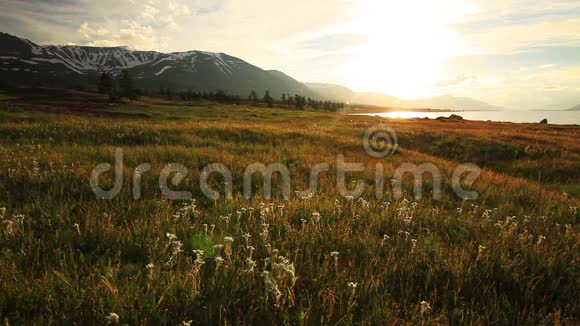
{"x":372,"y":109}
{"x":553,"y":117}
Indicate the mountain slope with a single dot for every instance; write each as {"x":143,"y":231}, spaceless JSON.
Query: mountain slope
{"x":24,"y":63}
{"x":446,"y":102}
{"x":332,"y":92}
{"x":576,"y":108}
{"x":451,"y":103}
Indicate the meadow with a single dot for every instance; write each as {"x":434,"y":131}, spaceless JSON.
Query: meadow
{"x":509,"y":257}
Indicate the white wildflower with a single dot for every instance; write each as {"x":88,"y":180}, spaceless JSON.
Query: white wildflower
{"x":385,"y":239}
{"x":480,"y":251}
{"x":218,"y":248}
{"x":316,"y":217}
{"x":170,"y":236}
{"x":540,"y":239}
{"x":150,"y":270}
{"x":112,"y":318}
{"x":199,"y":261}
{"x":228,"y":246}
{"x":414,"y":243}
{"x":334,"y":255}
{"x":250,"y":251}
{"x":176,"y":247}
{"x":247,"y":237}
{"x":425,"y":307}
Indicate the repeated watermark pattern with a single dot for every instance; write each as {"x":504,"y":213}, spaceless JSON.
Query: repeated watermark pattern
{"x":379,"y":141}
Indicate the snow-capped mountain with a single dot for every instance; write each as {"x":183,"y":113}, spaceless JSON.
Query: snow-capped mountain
{"x":24,"y":63}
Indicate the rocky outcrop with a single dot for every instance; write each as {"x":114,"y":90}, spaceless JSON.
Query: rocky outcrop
{"x":453,"y":117}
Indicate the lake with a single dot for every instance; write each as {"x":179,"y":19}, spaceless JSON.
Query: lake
{"x":554,"y":117}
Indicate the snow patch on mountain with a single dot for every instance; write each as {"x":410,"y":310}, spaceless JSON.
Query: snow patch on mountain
{"x":163,"y":60}
{"x":107,"y":59}
{"x":163,"y":70}
{"x":84,"y":60}
{"x":35,"y":49}
{"x":56,"y":61}
{"x":15,"y":58}
{"x":72,"y":65}
{"x":221,"y":63}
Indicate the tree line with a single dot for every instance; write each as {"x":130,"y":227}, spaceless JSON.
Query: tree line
{"x":290,"y":101}
{"x":117,"y":88}
{"x":302,"y":102}
{"x":122,"y":87}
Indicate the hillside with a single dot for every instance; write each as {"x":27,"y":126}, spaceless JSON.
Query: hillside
{"x":24,"y":63}
{"x":332,"y":91}
{"x":70,"y":256}
{"x":446,"y":102}
{"x":576,"y":108}
{"x":451,"y":103}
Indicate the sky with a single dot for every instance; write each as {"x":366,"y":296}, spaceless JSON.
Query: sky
{"x":516,"y":54}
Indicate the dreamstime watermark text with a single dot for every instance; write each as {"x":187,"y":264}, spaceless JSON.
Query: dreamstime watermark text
{"x":379,"y":142}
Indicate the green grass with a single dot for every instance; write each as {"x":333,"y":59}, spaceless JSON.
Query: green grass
{"x":70,"y":258}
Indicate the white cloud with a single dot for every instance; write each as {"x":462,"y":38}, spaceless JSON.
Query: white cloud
{"x":536,"y":87}
{"x":143,"y":25}
{"x":562,"y":75}
{"x":460,"y":80}
{"x":514,"y":38}
{"x":149,"y":13}
{"x":128,"y":33}
{"x":89,"y":32}
{"x":552,"y":88}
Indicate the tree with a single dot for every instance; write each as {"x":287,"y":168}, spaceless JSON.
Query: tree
{"x":284,"y":98}
{"x":268,"y":99}
{"x":105,"y":84}
{"x":300,"y":101}
{"x":126,"y":84}
{"x":253,"y":97}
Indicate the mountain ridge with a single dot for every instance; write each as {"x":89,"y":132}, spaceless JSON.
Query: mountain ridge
{"x":25,"y":63}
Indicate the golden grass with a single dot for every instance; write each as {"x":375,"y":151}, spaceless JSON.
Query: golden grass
{"x":510,"y":257}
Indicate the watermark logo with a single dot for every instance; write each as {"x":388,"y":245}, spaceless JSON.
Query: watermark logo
{"x":379,"y":141}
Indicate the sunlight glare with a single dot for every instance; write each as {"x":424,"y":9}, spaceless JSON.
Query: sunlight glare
{"x":406,"y":42}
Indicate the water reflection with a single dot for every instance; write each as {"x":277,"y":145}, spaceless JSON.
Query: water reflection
{"x":554,"y":117}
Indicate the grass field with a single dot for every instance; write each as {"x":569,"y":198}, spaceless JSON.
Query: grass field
{"x":509,"y":257}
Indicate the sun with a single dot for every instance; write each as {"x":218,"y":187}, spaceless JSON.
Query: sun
{"x":406,"y":44}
